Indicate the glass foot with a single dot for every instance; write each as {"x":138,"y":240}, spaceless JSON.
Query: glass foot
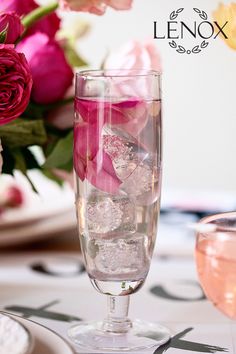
{"x":141,"y":336}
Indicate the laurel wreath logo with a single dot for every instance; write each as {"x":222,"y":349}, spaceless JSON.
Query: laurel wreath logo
{"x":197,"y":48}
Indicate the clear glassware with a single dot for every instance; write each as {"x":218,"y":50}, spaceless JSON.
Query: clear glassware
{"x":117,"y":162}
{"x":216,"y":260}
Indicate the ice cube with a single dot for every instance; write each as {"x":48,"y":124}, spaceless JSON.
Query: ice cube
{"x":124,"y":150}
{"x":124,"y":256}
{"x":109,"y":214}
{"x":141,"y":180}
{"x":133,"y":164}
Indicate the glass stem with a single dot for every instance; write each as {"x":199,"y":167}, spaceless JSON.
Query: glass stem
{"x":117,"y":320}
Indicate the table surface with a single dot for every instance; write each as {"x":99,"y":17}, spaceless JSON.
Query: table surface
{"x":47,"y":283}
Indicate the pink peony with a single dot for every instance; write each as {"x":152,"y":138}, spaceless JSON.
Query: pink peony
{"x":52,"y":75}
{"x":49,"y":24}
{"x":11,"y":22}
{"x":134,"y":55}
{"x":15,"y":83}
{"x":97,"y":7}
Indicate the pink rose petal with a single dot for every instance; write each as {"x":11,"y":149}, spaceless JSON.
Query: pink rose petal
{"x":101,"y":179}
{"x":132,"y":102}
{"x":86,"y":137}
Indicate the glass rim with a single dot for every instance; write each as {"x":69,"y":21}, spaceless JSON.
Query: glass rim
{"x":209,"y":219}
{"x":100,"y":73}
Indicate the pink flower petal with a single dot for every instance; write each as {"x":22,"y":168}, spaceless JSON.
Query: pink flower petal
{"x":90,"y":110}
{"x":93,"y":111}
{"x":80,"y":167}
{"x":136,"y":118}
{"x":131,"y":102}
{"x":86,"y":140}
{"x":103,"y":161}
{"x":119,"y":4}
{"x":86,"y":145}
{"x":101,"y":174}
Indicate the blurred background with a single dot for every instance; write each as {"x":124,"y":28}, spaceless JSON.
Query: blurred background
{"x":198,"y":93}
{"x":198,"y":119}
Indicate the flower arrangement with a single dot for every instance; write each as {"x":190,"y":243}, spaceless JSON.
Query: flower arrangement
{"x":36,"y":84}
{"x":37,"y":67}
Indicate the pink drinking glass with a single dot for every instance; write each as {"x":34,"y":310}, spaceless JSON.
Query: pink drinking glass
{"x":117,"y":162}
{"x":216,"y":260}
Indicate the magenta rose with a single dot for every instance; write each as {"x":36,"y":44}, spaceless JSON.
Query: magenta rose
{"x":52,"y":75}
{"x":97,"y":7}
{"x":49,"y":24}
{"x":11,"y":22}
{"x":15,"y":83}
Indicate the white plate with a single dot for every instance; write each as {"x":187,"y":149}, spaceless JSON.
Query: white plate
{"x":15,"y":337}
{"x":46,"y":341}
{"x":39,"y":230}
{"x":49,"y":213}
{"x":52,"y":200}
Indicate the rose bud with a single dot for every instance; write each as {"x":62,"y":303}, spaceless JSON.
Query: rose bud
{"x":49,"y":24}
{"x":10,"y":26}
{"x":52,"y":75}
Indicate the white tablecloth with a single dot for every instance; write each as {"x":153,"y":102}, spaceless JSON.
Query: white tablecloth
{"x":53,"y":290}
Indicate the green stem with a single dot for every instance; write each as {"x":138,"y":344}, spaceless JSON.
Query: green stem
{"x":38,"y":13}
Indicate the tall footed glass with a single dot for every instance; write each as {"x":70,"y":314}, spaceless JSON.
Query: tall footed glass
{"x":117,"y":162}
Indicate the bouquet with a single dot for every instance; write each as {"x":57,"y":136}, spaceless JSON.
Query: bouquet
{"x":37,"y":62}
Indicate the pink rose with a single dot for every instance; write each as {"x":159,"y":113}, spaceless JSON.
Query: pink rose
{"x":11,"y":22}
{"x":52,"y":75}
{"x":134,"y":55}
{"x":97,"y":7}
{"x":49,"y":24}
{"x":15,"y":83}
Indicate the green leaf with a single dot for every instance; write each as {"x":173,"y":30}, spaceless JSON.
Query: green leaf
{"x":23,"y":132}
{"x":68,"y":167}
{"x":8,"y":161}
{"x":34,"y":111}
{"x":21,"y":165}
{"x":49,"y":174}
{"x":61,"y":154}
{"x":73,"y":58}
{"x":30,"y":160}
{"x":19,"y":160}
